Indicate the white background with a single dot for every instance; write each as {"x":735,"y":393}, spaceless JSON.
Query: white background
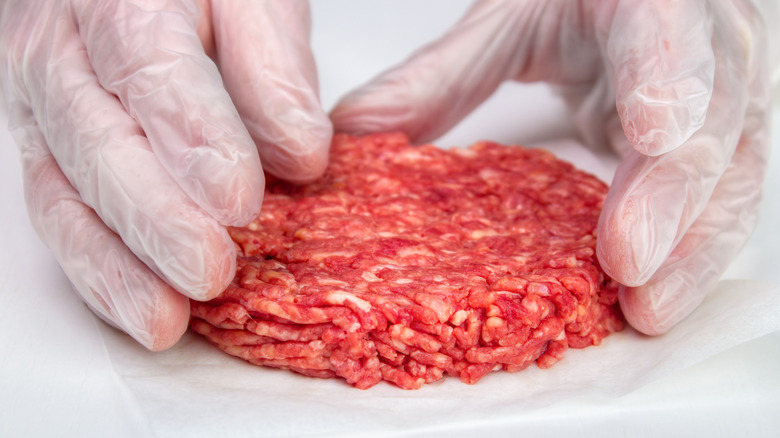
{"x":62,"y":372}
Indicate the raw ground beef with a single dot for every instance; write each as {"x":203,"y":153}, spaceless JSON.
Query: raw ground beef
{"x":409,"y":263}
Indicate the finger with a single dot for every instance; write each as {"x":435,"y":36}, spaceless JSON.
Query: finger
{"x":654,"y":200}
{"x":149,"y":55}
{"x":663,"y":62}
{"x":705,"y":251}
{"x":106,"y":157}
{"x":107,"y":276}
{"x":445,"y":80}
{"x":717,"y":235}
{"x":268,"y":69}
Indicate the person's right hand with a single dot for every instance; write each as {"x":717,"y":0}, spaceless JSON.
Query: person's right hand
{"x":137,"y":147}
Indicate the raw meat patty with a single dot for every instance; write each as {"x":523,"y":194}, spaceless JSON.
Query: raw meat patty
{"x":409,"y":263}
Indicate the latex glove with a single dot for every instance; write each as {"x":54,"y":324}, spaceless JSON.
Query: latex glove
{"x":678,"y":88}
{"x":136,"y":149}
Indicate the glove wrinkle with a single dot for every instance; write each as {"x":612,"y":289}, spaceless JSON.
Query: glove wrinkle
{"x":274,"y":84}
{"x":179,"y":100}
{"x":663,"y":68}
{"x":95,"y":259}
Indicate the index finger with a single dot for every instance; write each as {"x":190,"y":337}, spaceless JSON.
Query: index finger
{"x":149,"y":55}
{"x":664,"y":67}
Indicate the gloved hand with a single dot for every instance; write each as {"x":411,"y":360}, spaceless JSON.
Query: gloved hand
{"x":679,"y":90}
{"x":137,"y":147}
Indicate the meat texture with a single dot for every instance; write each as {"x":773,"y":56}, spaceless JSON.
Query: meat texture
{"x":409,"y":263}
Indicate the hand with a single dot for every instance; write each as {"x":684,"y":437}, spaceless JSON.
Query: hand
{"x":679,"y":90}
{"x":137,"y":147}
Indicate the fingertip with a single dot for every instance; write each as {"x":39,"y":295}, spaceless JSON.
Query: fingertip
{"x":673,"y":292}
{"x":305,"y":168}
{"x":244,"y":201}
{"x":351,"y":116}
{"x":192,"y":253}
{"x":627,"y":246}
{"x":658,"y":119}
{"x":206,"y":277}
{"x":384,"y":105}
{"x":298,"y":152}
{"x":169,"y":322}
{"x":157,"y":323}
{"x":130,"y":297}
{"x":651,"y":203}
{"x":225,"y":178}
{"x":657,"y":306}
{"x":637,"y":310}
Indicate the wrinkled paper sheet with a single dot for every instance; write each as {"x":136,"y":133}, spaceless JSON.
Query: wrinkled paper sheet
{"x":196,"y":390}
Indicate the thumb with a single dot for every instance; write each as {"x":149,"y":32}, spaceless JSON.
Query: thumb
{"x":444,"y":81}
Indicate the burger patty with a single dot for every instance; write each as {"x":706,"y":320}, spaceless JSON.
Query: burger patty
{"x":409,"y":263}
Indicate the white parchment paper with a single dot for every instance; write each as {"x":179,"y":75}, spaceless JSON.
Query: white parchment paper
{"x":196,"y":390}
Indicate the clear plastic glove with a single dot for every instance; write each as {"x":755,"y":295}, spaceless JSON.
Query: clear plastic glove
{"x":679,"y":89}
{"x":137,"y":147}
